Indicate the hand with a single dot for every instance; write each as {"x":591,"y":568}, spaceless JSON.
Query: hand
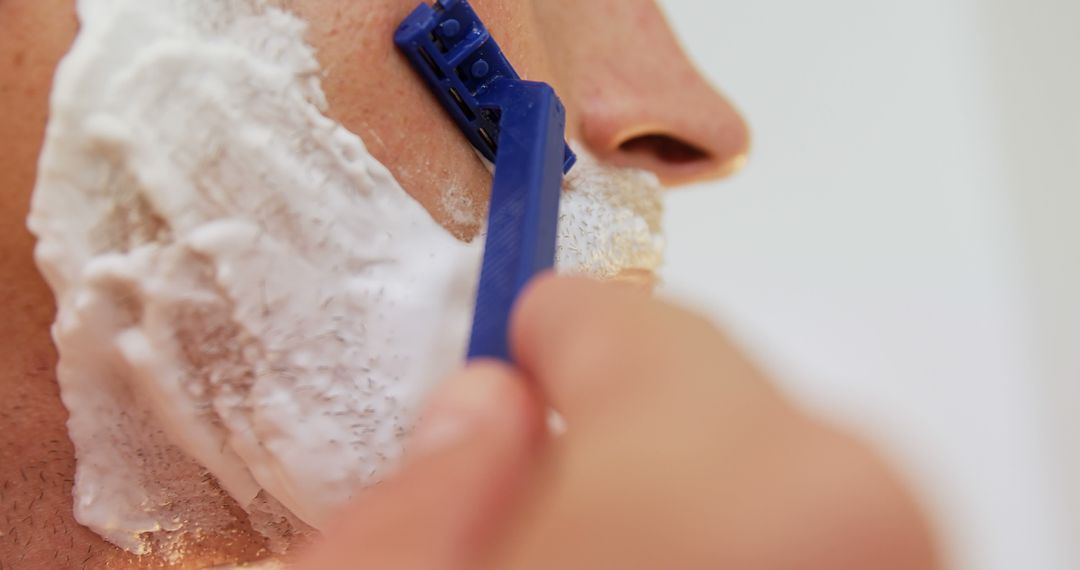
{"x":678,"y":454}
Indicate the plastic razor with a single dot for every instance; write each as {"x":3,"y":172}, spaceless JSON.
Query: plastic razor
{"x":519,"y":126}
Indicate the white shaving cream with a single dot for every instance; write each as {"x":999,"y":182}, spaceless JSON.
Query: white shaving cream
{"x":249,"y":303}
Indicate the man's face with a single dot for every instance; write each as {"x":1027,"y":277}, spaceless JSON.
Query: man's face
{"x":632,"y":100}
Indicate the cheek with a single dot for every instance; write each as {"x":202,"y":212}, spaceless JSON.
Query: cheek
{"x":374,"y":93}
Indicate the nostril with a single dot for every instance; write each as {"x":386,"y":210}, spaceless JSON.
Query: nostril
{"x":665,"y":148}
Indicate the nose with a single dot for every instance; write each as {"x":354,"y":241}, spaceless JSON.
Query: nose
{"x":680,"y":129}
{"x":638,"y":101}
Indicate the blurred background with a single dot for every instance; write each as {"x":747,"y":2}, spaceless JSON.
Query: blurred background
{"x":903,"y":251}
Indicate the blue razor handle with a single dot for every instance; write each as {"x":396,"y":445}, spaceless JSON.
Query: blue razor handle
{"x":519,"y":126}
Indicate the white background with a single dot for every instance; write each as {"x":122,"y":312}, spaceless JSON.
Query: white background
{"x":902,"y":252}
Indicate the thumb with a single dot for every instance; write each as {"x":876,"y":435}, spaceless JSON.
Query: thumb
{"x":464,"y":465}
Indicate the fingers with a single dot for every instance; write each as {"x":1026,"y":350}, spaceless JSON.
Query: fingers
{"x":464,"y":465}
{"x":586,"y":343}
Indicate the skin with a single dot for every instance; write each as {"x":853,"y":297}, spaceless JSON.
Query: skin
{"x":632,"y":98}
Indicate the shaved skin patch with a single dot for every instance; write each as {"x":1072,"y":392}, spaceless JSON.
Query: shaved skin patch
{"x":250,"y":307}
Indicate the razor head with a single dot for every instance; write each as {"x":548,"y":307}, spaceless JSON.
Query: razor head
{"x":453,"y":51}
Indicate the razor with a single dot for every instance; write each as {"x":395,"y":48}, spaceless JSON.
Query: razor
{"x":517,"y":125}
